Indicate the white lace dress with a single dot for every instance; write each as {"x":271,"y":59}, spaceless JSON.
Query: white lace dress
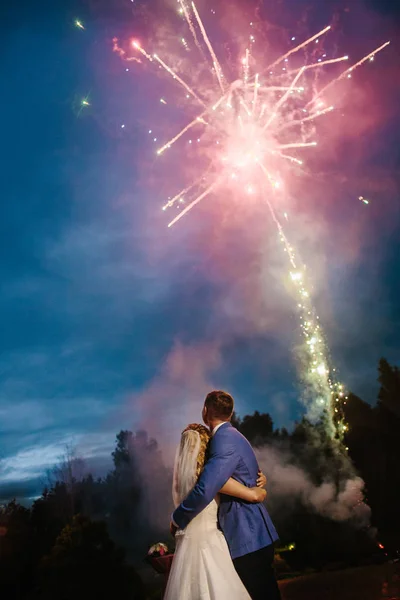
{"x":202,"y":568}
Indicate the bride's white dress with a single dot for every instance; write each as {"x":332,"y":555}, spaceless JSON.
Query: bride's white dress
{"x":202,"y":568}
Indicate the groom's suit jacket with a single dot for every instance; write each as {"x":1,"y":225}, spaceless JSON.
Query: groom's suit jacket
{"x":247,"y":527}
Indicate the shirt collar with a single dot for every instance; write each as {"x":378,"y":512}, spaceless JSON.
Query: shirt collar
{"x":214,"y":431}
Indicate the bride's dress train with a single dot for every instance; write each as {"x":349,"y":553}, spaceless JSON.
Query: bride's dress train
{"x":202,"y":568}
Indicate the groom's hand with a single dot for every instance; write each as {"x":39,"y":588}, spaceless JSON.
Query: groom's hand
{"x":262,"y":480}
{"x":173,"y":529}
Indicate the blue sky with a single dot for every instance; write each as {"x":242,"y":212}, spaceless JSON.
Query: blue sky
{"x":107,"y":320}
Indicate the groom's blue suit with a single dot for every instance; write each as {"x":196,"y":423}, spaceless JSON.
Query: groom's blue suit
{"x":247,"y":527}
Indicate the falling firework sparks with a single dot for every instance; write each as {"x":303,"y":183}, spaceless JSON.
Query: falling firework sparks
{"x":322,"y":393}
{"x":256,"y":130}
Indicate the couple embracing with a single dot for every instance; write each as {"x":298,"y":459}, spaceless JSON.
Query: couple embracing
{"x":224,"y":534}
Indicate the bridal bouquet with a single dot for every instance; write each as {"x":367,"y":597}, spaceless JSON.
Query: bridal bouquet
{"x":157,"y":550}
{"x":160,"y":558}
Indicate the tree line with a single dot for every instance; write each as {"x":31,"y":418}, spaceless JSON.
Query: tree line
{"x":81,"y":538}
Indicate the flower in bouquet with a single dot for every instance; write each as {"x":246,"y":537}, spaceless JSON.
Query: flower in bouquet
{"x":157,"y":550}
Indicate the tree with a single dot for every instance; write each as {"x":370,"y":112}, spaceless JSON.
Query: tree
{"x":257,"y":428}
{"x":50,"y":513}
{"x":387,"y":413}
{"x":139,"y":491}
{"x":69,"y":470}
{"x":68,"y":473}
{"x":84,"y":563}
{"x":122,"y":455}
{"x":18,"y":551}
{"x":317,"y":453}
{"x":389,"y":393}
{"x":236,"y":421}
{"x":281,"y":434}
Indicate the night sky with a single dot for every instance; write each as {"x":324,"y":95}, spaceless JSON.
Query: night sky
{"x":108,"y":319}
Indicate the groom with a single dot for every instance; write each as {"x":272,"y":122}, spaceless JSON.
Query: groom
{"x":248,"y":528}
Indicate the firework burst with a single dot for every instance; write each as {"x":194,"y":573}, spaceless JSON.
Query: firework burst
{"x":256,"y":129}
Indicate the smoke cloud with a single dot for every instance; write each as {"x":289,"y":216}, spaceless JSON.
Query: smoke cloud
{"x":288,"y":483}
{"x":175,"y":396}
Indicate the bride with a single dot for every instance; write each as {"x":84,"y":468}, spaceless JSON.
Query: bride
{"x":202,"y":568}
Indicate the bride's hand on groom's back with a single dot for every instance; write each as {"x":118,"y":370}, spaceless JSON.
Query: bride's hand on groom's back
{"x":259,"y":494}
{"x":262,"y":480}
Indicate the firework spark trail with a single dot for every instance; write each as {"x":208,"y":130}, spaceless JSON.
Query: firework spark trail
{"x":246,"y":67}
{"x":142,"y":51}
{"x":311,"y":117}
{"x":216,"y":105}
{"x":263,"y":109}
{"x":185,"y":190}
{"x":172,"y":141}
{"x":321,"y":392}
{"x":290,"y":158}
{"x":217,"y":66}
{"x":369,"y":56}
{"x":179,"y":195}
{"x":179,"y":79}
{"x":276,"y":88}
{"x":196,"y":121}
{"x":296,"y":145}
{"x":192,"y":29}
{"x":246,"y":108}
{"x":313,"y":354}
{"x":208,"y":191}
{"x":256,"y":86}
{"x":317,"y":64}
{"x":122,"y":53}
{"x":282,"y":100}
{"x":173,"y":74}
{"x":299,"y":47}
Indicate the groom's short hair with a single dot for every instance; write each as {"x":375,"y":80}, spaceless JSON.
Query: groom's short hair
{"x":220,"y":405}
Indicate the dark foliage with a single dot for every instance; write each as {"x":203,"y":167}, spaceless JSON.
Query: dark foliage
{"x":85,"y":563}
{"x":373,"y":441}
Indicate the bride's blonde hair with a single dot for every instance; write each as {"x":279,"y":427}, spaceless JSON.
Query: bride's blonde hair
{"x":205,"y":437}
{"x":189,"y":460}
